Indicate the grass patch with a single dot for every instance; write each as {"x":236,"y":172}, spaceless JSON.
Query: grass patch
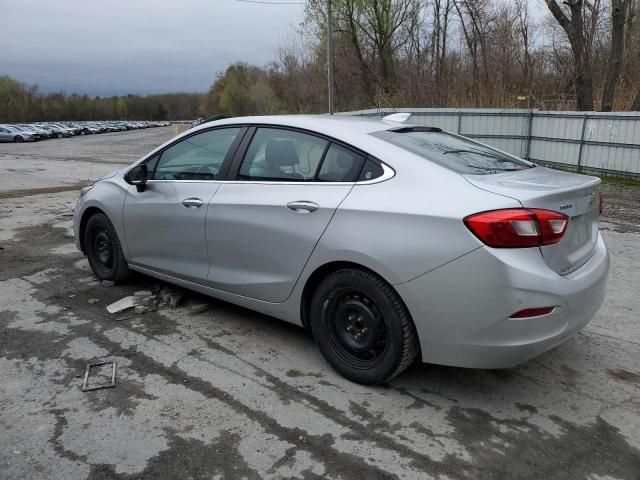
{"x":629,"y":182}
{"x":610,"y":179}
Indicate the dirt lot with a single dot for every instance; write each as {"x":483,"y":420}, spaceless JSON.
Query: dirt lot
{"x":227,"y":393}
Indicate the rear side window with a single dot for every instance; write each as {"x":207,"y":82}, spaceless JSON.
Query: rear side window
{"x":340,"y":165}
{"x":282,"y":155}
{"x":453,"y":152}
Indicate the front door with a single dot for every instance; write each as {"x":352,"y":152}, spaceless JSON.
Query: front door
{"x":262,"y":226}
{"x":165,"y":224}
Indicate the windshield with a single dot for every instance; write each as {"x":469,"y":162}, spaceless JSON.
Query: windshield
{"x":453,"y":152}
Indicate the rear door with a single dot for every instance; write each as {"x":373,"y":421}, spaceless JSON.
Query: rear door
{"x":263,"y":225}
{"x":165,"y":223}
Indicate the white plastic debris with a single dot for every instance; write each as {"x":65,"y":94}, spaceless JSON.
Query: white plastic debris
{"x":122,"y":304}
{"x":143,"y":294}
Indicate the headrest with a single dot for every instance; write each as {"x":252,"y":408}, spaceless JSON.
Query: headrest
{"x":281,"y":153}
{"x":343,"y":160}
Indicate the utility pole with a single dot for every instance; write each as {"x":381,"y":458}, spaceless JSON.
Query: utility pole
{"x":330,"y":56}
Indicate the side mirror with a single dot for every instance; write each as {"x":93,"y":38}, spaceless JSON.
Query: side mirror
{"x":138,"y":176}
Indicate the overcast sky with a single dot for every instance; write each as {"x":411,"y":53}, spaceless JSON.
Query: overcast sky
{"x":112,"y":47}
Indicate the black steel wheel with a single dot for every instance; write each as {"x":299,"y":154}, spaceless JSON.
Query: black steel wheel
{"x":362,"y":327}
{"x":103,"y":249}
{"x":358,"y":333}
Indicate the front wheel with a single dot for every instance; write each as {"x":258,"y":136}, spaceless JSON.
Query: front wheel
{"x":103,"y":249}
{"x":362,"y":327}
{"x":18,"y":139}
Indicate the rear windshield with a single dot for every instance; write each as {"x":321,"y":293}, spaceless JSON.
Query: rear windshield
{"x":453,"y":152}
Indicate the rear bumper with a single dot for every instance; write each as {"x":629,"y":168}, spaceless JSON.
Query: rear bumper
{"x":461,"y":310}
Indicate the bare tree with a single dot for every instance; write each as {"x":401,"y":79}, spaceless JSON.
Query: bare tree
{"x":439,"y":41}
{"x":574,"y":28}
{"x":620,"y":13}
{"x":525,"y":58}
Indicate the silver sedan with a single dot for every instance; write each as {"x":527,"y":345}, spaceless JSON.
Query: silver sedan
{"x":9,"y":133}
{"x":389,"y":241}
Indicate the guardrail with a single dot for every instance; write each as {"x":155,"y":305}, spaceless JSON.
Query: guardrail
{"x":606,"y":143}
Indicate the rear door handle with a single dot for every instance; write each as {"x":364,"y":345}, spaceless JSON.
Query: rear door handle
{"x":192,"y":202}
{"x":303,"y":206}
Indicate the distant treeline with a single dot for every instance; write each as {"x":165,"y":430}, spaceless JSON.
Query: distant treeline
{"x":20,"y":103}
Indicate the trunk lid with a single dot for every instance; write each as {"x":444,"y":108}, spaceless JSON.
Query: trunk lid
{"x":577,"y":196}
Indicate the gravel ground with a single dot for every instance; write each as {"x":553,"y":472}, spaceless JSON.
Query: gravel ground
{"x":228,"y":393}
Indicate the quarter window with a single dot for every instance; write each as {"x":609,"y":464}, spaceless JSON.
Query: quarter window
{"x":340,"y":165}
{"x":282,"y":155}
{"x":370,"y":171}
{"x":198,"y":157}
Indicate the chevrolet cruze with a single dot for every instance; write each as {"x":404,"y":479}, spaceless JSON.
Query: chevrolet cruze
{"x":389,"y":241}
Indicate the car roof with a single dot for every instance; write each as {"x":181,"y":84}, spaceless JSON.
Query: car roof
{"x":332,"y":125}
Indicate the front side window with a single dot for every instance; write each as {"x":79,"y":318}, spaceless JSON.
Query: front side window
{"x":283,"y":156}
{"x":453,"y":152}
{"x":198,"y":157}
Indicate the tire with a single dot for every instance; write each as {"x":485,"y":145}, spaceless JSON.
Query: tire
{"x":103,"y":249}
{"x":18,"y":139}
{"x":362,"y":327}
{"x":60,"y":135}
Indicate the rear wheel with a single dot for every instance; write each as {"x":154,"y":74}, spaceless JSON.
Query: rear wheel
{"x":362,"y":327}
{"x":103,"y":249}
{"x":18,"y":139}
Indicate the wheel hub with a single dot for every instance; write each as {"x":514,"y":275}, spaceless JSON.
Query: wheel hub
{"x":358,"y":326}
{"x":103,"y":248}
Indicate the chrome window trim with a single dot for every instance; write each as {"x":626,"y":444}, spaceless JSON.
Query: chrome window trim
{"x":387,"y":174}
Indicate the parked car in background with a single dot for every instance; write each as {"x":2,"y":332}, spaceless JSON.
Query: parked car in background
{"x":55,"y":131}
{"x":44,"y":134}
{"x":389,"y":241}
{"x":65,"y":128}
{"x":20,"y":128}
{"x":10,"y":133}
{"x":45,"y":130}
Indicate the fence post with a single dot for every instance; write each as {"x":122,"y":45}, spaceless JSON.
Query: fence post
{"x":459,"y":122}
{"x":530,"y":129}
{"x":584,"y":125}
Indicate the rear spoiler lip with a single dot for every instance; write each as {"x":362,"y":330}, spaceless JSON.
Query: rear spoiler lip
{"x":408,"y":129}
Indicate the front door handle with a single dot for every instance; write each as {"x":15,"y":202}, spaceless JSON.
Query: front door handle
{"x":302,"y":206}
{"x":192,"y":202}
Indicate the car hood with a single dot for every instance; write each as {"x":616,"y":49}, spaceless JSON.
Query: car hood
{"x":109,"y":175}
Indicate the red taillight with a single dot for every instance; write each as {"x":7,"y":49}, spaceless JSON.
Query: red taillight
{"x":532,"y":312}
{"x":518,"y":227}
{"x":601,"y":204}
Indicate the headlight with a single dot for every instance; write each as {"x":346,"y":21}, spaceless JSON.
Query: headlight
{"x":85,"y":190}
